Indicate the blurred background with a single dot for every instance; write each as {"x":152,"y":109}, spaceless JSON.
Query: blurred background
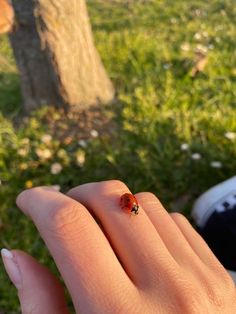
{"x":167,"y":124}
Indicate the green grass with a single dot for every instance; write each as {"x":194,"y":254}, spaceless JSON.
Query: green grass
{"x":148,"y":48}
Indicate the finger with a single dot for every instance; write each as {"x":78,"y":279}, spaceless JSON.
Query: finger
{"x":133,"y":238}
{"x":169,"y":231}
{"x":39,"y":291}
{"x":81,"y":251}
{"x":196,"y":241}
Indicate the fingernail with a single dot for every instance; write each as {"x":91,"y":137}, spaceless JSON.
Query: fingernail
{"x":11,"y":267}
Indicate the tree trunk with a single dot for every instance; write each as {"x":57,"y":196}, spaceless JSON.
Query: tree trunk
{"x":56,"y":56}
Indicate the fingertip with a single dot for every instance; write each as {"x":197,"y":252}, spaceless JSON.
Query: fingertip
{"x":24,"y":198}
{"x":11,"y":267}
{"x":40,"y":289}
{"x":26,"y":195}
{"x":20,"y":198}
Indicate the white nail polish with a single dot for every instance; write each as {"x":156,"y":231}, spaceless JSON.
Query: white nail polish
{"x":12,"y":268}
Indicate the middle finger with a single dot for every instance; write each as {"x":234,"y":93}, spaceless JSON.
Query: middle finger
{"x":133,"y":237}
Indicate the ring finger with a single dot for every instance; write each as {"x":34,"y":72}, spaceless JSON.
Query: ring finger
{"x":179,"y":237}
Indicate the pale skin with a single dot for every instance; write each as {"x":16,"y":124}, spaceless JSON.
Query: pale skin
{"x":153,"y":262}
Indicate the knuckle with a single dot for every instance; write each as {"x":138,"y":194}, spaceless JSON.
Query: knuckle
{"x":63,"y":218}
{"x":208,"y":294}
{"x":112,"y":186}
{"x":187,"y":300}
{"x":217,"y":300}
{"x":218,"y":288}
{"x":214,"y":292}
{"x":220,"y":273}
{"x":228,"y":282}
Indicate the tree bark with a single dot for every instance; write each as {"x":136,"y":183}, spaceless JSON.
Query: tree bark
{"x":56,"y":56}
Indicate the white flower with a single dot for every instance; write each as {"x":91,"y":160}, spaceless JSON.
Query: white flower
{"x":201,"y":49}
{"x":184,"y":146}
{"x":80,"y":158}
{"x":198,"y":12}
{"x":197,"y":36}
{"x":23,"y":151}
{"x":216,"y":164}
{"x":23,"y":166}
{"x":94,"y":133}
{"x":173,"y":20}
{"x":196,"y":156}
{"x":219,"y":27}
{"x":82,"y":143}
{"x":43,"y":153}
{"x":62,"y":153}
{"x":166,"y":66}
{"x":25,"y":141}
{"x":46,"y":138}
{"x":230,"y":135}
{"x":56,"y":168}
{"x":185,"y":47}
{"x":205,"y":34}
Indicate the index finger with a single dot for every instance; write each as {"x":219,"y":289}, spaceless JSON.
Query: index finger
{"x":81,"y":251}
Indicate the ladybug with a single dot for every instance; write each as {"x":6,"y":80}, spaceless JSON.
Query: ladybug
{"x":129,"y":202}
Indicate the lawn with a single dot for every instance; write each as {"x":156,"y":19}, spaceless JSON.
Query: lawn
{"x":171,"y":131}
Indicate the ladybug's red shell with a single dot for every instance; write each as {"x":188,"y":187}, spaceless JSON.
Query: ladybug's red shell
{"x":129,"y":202}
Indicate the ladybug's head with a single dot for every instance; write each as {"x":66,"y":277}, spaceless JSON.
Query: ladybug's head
{"x":135,"y":209}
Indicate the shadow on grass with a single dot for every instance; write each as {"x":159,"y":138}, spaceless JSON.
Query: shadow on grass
{"x":10,"y":94}
{"x":146,"y":157}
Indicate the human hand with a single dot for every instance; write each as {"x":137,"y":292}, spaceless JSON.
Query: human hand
{"x":153,"y":262}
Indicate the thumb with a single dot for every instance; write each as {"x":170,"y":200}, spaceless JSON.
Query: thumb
{"x":39,"y":290}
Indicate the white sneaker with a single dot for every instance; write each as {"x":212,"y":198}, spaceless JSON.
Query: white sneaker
{"x":219,"y":198}
{"x":214,"y":213}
